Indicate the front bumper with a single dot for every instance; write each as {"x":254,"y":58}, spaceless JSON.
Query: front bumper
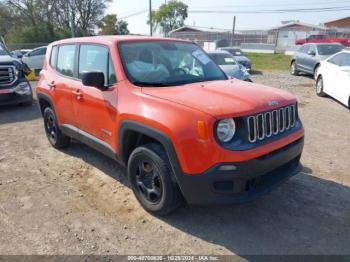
{"x":9,"y":97}
{"x":250,"y":180}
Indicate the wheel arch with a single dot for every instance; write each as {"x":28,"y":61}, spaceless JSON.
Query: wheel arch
{"x":317,"y":65}
{"x":133,"y":134}
{"x":44,"y":101}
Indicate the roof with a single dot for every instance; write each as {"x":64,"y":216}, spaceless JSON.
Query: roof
{"x":337,"y":20}
{"x":201,"y":29}
{"x":111,"y":39}
{"x":297,"y":23}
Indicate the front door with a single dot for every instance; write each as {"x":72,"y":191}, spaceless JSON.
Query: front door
{"x":94,"y":109}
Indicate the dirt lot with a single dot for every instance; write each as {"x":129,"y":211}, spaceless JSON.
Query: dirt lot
{"x":77,"y":201}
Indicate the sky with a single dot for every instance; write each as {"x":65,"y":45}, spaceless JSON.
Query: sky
{"x":138,"y":25}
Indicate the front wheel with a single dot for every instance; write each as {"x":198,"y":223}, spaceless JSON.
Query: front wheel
{"x":152,"y":179}
{"x":319,"y":87}
{"x":316,"y":72}
{"x":293,"y":69}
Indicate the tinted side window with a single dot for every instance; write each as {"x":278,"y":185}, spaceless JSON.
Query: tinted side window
{"x":53,"y":58}
{"x":93,"y":58}
{"x":40,"y":51}
{"x":65,"y":60}
{"x":346,"y":59}
{"x":342,"y":59}
{"x":312,"y":48}
{"x":336,"y":59}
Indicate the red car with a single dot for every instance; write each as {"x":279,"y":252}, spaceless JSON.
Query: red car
{"x":322,"y":39}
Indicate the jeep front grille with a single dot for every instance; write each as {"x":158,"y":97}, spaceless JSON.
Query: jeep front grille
{"x":271,"y":123}
{"x":7,"y":75}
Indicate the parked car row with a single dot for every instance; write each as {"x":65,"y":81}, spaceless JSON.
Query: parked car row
{"x":329,"y":64}
{"x":33,"y":58}
{"x":233,"y":62}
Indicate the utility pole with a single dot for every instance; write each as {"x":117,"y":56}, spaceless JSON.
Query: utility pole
{"x":150,"y":18}
{"x":233,"y":30}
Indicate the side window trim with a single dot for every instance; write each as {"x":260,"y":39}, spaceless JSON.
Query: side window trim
{"x":77,"y":59}
{"x":108,"y":68}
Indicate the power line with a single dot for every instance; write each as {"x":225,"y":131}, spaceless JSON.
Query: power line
{"x":267,"y":11}
{"x":134,"y":14}
{"x":279,"y":4}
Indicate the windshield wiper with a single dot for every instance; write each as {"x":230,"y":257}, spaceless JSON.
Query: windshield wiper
{"x":155,"y":84}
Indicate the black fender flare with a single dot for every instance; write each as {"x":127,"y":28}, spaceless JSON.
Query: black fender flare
{"x":47,"y":98}
{"x":163,"y":139}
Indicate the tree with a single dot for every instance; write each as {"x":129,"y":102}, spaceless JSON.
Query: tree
{"x":170,"y":16}
{"x":122,"y":28}
{"x":109,"y":25}
{"x":48,"y":20}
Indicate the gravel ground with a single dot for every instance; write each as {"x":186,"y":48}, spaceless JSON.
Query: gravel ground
{"x":77,"y":201}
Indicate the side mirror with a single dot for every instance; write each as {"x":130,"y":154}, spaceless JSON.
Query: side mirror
{"x":95,"y":79}
{"x":312,"y":53}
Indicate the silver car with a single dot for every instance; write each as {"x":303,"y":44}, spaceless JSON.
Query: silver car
{"x":307,"y":59}
{"x":229,"y":65}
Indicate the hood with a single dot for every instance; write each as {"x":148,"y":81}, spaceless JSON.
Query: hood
{"x":233,"y":70}
{"x":6,"y":59}
{"x":228,"y":98}
{"x":242,"y":58}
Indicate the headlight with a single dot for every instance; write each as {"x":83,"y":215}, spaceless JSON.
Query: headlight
{"x":226,"y":129}
{"x":23,"y":89}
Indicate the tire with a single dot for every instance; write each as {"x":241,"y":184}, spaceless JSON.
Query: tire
{"x":316,"y":71}
{"x":56,"y":138}
{"x":319,"y":87}
{"x":293,"y":69}
{"x":152,"y":180}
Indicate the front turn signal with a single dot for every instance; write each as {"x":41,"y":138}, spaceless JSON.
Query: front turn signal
{"x":202,"y":130}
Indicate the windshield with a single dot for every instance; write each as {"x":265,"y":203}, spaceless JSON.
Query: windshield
{"x":3,"y":51}
{"x":223,"y":59}
{"x":236,"y":52}
{"x":329,"y":49}
{"x":165,"y":63}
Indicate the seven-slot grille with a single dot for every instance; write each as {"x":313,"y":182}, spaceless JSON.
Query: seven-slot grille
{"x":7,"y":75}
{"x":271,"y":123}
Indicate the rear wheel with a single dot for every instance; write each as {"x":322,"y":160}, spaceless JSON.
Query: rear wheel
{"x":293,"y":69}
{"x":319,"y":87}
{"x":56,"y":138}
{"x":152,"y":180}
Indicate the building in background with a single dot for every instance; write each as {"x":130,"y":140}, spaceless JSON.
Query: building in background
{"x":285,"y":35}
{"x":339,"y":23}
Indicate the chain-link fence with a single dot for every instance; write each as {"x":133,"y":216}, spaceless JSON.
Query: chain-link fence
{"x":282,"y":39}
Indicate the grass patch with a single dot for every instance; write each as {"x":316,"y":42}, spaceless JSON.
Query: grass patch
{"x":269,"y":62}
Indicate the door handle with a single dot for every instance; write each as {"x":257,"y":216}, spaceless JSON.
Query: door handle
{"x":78,"y":94}
{"x":52,"y":85}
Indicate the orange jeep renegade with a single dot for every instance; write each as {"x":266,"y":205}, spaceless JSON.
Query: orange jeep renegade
{"x":165,"y":110}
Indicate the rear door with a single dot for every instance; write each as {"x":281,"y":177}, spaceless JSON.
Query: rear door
{"x":61,"y":81}
{"x":94,"y":109}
